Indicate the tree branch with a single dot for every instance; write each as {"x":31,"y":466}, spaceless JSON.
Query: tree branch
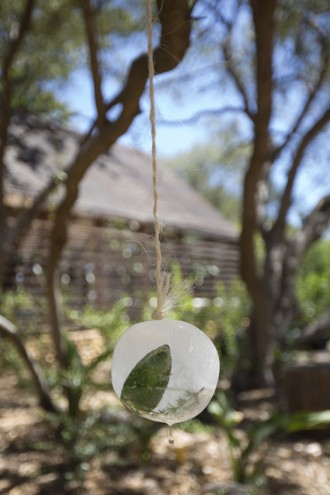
{"x":236,"y":76}
{"x":227,"y":54}
{"x":9,"y":330}
{"x":86,"y":155}
{"x":6,"y":97}
{"x":16,"y":42}
{"x":279,"y":225}
{"x":199,"y":115}
{"x":315,"y":225}
{"x":88,"y":15}
{"x":263,"y":18}
{"x":14,"y":233}
{"x":174,"y":16}
{"x":314,"y":331}
{"x":315,"y":89}
{"x":175,"y":22}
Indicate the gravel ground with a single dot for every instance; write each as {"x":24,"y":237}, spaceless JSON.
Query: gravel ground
{"x":197,"y":464}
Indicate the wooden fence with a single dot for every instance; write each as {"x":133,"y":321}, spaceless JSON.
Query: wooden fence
{"x":100,"y":264}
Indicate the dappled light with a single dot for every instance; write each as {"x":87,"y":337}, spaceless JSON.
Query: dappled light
{"x":164,"y":206}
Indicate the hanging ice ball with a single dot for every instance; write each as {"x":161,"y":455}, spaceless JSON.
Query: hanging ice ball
{"x":165,"y":370}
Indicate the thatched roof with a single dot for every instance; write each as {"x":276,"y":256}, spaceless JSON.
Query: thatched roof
{"x":117,"y":186}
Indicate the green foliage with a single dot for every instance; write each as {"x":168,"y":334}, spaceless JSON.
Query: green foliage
{"x":227,"y":418}
{"x":10,"y":359}
{"x":120,"y":22}
{"x":215,"y":170}
{"x":223,"y":318}
{"x":83,"y":433}
{"x":301,"y":38}
{"x":111,"y":323}
{"x":20,"y":308}
{"x":196,"y":426}
{"x":77,"y":379}
{"x":143,"y":431}
{"x":232,"y":306}
{"x":55,"y":46}
{"x":92,"y":435}
{"x":74,"y":378}
{"x":50,"y":51}
{"x":243,"y":449}
{"x":313,"y":282}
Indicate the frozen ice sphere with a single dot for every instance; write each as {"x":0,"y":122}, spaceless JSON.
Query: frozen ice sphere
{"x":165,"y":370}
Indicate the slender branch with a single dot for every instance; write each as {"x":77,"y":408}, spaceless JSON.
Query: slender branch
{"x":175,"y":20}
{"x":315,"y":330}
{"x":86,"y":155}
{"x":88,"y":15}
{"x":236,"y":76}
{"x":315,"y":89}
{"x":216,"y":9}
{"x":314,"y":225}
{"x":6,"y":97}
{"x":305,"y":141}
{"x":227,"y":54}
{"x":186,"y":76}
{"x":9,"y":330}
{"x":16,"y":42}
{"x":199,"y":115}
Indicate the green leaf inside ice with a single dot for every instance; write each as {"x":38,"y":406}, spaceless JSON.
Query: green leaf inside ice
{"x":145,"y":385}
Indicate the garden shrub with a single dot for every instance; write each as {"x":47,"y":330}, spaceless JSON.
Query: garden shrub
{"x":313,"y":283}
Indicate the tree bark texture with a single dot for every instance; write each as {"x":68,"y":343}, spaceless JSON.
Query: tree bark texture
{"x":256,"y":347}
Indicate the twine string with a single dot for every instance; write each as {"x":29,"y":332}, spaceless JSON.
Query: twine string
{"x":167,"y":295}
{"x":163,"y":278}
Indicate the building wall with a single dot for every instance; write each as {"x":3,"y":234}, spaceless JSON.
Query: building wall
{"x":100,"y":265}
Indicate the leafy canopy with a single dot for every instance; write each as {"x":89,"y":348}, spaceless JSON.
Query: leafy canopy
{"x":55,"y":46}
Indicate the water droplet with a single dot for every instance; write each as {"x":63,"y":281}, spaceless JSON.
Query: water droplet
{"x":170,"y":440}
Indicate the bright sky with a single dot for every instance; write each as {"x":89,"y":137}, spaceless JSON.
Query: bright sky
{"x":172,"y":102}
{"x":170,"y":139}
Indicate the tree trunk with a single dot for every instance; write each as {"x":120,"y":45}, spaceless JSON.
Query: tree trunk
{"x":54,"y":319}
{"x":3,"y":267}
{"x":271,"y":320}
{"x":253,"y":369}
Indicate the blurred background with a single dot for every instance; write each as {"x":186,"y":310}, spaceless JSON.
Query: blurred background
{"x":242,"y":119}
